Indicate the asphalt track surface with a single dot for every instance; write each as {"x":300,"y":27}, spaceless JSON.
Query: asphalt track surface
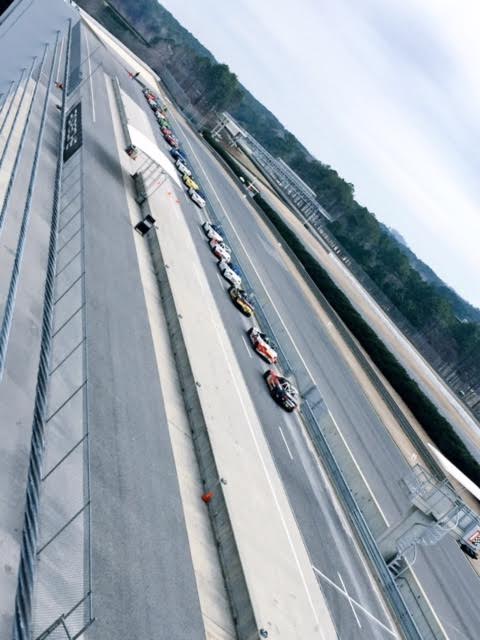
{"x":352,"y":598}
{"x":446,"y":576}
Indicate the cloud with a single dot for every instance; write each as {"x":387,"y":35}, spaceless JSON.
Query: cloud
{"x":385,"y":92}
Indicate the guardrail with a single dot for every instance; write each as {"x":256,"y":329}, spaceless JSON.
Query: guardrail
{"x":360,"y":526}
{"x":352,"y":510}
{"x":352,"y":344}
{"x":13,"y":172}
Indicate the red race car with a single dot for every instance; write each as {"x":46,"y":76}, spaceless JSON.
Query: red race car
{"x":172,"y":141}
{"x":262,"y":345}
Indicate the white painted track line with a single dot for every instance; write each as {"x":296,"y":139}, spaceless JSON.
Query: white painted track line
{"x":231,"y":366}
{"x":249,"y":351}
{"x":90,"y":75}
{"x":377,"y":504}
{"x":246,"y":252}
{"x":352,"y":600}
{"x":285,"y":443}
{"x":349,"y":599}
{"x":442,"y":628}
{"x":275,"y":308}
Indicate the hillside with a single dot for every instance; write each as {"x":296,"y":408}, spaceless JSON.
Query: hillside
{"x":204,"y":87}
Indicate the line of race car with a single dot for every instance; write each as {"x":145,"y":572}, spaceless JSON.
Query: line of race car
{"x":280,"y":388}
{"x":160,"y":112}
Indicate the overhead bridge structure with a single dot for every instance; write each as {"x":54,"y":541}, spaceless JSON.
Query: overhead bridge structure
{"x":285,"y":180}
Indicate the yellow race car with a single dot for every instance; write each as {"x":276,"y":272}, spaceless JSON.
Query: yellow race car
{"x":241,"y":301}
{"x":190,"y":182}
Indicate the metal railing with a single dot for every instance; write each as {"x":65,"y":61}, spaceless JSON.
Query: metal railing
{"x":30,"y":549}
{"x":351,"y":508}
{"x":18,"y":157}
{"x":17,"y":112}
{"x":353,"y":345}
{"x":22,"y":236}
{"x":6,"y":96}
{"x":360,"y":526}
{"x":17,"y":87}
{"x":67,"y":540}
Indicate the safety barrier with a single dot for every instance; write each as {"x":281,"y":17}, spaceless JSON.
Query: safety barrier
{"x":350,"y":341}
{"x":351,"y":508}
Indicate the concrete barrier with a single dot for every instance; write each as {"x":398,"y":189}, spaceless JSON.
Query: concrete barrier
{"x":242,"y":611}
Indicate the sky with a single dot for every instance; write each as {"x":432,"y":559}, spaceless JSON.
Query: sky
{"x":384,"y":91}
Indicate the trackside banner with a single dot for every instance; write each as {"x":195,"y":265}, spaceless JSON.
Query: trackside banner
{"x":73,"y":131}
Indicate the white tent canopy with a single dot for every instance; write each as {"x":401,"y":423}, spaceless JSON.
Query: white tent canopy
{"x":154,"y":153}
{"x":452,"y":470}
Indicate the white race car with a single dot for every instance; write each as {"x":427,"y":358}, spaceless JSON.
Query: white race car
{"x":230,"y":273}
{"x":220,"y":250}
{"x":212,"y":231}
{"x":214,"y":241}
{"x":184,"y":170}
{"x":197,"y":198}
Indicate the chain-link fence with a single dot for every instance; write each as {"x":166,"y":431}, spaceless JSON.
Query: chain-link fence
{"x":63,"y":589}
{"x":54,"y":585}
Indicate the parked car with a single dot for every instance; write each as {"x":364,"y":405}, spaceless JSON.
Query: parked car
{"x":469,"y":551}
{"x":172,"y":141}
{"x":161,"y":119}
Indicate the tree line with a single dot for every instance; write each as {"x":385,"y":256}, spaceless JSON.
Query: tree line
{"x":434,"y":310}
